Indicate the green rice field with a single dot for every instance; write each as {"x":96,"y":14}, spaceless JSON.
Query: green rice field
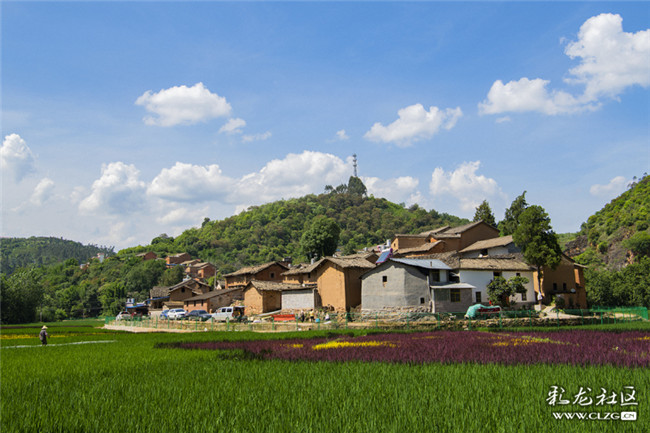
{"x":92,"y":380}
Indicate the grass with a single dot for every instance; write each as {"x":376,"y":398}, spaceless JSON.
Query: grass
{"x":130,"y":385}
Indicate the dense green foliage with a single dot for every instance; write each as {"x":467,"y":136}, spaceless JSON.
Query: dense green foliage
{"x":629,"y":286}
{"x":123,"y":385}
{"x":500,"y":290}
{"x":38,"y":251}
{"x":619,"y":231}
{"x":273,"y":231}
{"x":322,"y":237}
{"x":510,"y":221}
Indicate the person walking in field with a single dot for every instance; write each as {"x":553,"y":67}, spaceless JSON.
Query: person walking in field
{"x":43,"y":335}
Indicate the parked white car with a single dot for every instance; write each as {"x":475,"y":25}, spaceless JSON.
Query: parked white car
{"x":176,"y":313}
{"x":229,"y":314}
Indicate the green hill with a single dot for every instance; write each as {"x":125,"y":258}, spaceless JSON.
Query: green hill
{"x":273,"y":231}
{"x":41,"y":251}
{"x":614,"y":235}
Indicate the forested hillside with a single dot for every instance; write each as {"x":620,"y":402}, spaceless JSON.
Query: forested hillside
{"x":39,"y":251}
{"x":617,"y":233}
{"x":273,"y":231}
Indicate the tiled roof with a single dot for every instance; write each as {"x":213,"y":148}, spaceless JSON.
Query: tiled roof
{"x":419,"y":249}
{"x":270,"y":286}
{"x":489,"y":243}
{"x":423,"y":263}
{"x":497,"y":264}
{"x":254,"y":269}
{"x":212,"y":294}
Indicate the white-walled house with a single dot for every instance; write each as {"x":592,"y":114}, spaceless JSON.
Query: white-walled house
{"x":479,"y":272}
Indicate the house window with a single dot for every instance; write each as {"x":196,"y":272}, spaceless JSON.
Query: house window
{"x":524,"y":297}
{"x":484,"y":252}
{"x":496,"y":274}
{"x":435,"y":275}
{"x":442,"y":295}
{"x":518,"y":274}
{"x":421,"y":300}
{"x":272,"y":274}
{"x":563,"y":286}
{"x":182,"y":289}
{"x":554,"y":286}
{"x":384,"y":280}
{"x":454,"y":295}
{"x":478,"y":297}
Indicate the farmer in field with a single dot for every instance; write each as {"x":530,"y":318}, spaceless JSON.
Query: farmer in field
{"x":43,"y":335}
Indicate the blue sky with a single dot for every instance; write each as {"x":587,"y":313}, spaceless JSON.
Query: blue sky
{"x":124,"y":120}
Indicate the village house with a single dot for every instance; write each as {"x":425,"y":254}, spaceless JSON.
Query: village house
{"x":339,"y":281}
{"x":479,"y":272}
{"x":177,"y":259}
{"x":444,"y":238}
{"x":211,"y":301}
{"x":566,"y":281}
{"x":402,"y":283}
{"x":271,"y":271}
{"x":300,"y":274}
{"x":200,"y":270}
{"x":263,"y":296}
{"x":173,"y":296}
{"x":149,"y":255}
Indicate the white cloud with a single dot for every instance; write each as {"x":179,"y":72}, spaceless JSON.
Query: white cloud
{"x":16,"y":157}
{"x":117,"y":191}
{"x":233,"y":126}
{"x":615,"y":187}
{"x":293,"y":176}
{"x":527,"y":95}
{"x":414,"y":123}
{"x":611,"y":61}
{"x":256,"y":137}
{"x":183,"y":216}
{"x":182,"y":105}
{"x":465,"y":185}
{"x":398,"y":190}
{"x":341,"y":135}
{"x":42,"y":192}
{"x":187,"y":182}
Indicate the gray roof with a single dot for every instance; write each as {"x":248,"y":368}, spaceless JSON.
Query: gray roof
{"x":423,"y":263}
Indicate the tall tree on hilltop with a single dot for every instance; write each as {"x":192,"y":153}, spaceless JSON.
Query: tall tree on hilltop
{"x":322,"y":237}
{"x":484,"y":213}
{"x":356,"y":186}
{"x":511,"y":220}
{"x":537,"y":240}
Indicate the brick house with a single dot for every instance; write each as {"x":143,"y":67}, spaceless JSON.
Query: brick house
{"x":211,"y":301}
{"x":271,"y":271}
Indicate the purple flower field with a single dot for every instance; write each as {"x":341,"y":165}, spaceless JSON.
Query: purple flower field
{"x":624,"y":349}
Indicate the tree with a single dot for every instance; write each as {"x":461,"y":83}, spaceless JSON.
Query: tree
{"x":484,"y":213}
{"x":639,"y":244}
{"x":500,"y":290}
{"x":322,"y":237}
{"x":511,"y":219}
{"x":356,"y":187}
{"x":20,"y":295}
{"x":537,"y":240}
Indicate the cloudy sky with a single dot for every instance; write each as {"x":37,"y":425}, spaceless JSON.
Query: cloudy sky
{"x":122,"y":121}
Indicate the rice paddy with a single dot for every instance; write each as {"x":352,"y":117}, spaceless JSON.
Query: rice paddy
{"x":149,"y":383}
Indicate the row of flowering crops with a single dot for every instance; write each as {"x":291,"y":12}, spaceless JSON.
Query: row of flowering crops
{"x":625,"y":349}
